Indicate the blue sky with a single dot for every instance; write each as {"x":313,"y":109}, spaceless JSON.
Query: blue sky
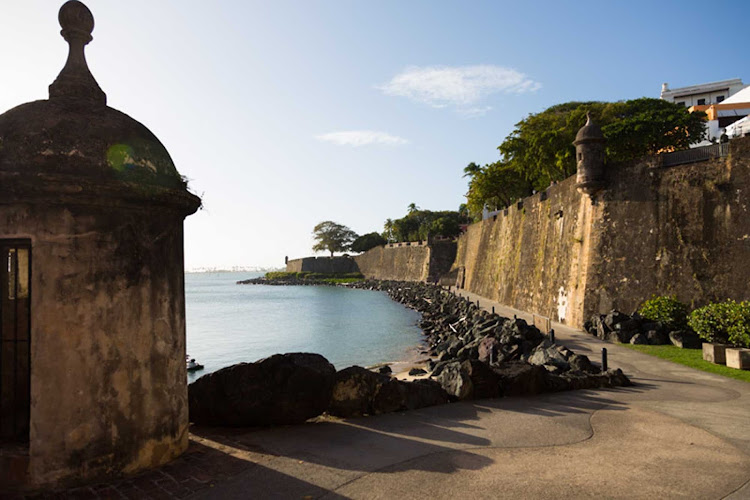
{"x":284,"y":114}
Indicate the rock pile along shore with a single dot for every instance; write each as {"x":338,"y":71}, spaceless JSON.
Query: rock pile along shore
{"x":476,"y":354}
{"x":619,"y":327}
{"x":479,"y":354}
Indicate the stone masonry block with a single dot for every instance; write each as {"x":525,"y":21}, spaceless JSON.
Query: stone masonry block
{"x":738,"y":358}
{"x":715,"y":353}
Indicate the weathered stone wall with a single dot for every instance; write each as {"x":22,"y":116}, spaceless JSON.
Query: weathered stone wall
{"x":406,"y":263}
{"x":410,"y":261}
{"x":442,"y":256}
{"x":682,"y":230}
{"x":322,"y":265}
{"x":392,"y":262}
{"x":530,"y":256}
{"x":108,"y":376}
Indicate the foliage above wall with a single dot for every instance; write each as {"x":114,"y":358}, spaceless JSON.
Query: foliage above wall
{"x":540,"y":150}
{"x":368,"y":241}
{"x":418,"y":224}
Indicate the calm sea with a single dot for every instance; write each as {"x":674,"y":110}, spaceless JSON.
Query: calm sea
{"x":229,"y":323}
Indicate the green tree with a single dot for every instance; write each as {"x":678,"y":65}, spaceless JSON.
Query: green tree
{"x":540,"y":149}
{"x":418,"y":224}
{"x":388,"y":230}
{"x":368,"y":241}
{"x":496,"y":185}
{"x":472,"y":169}
{"x":648,"y":126}
{"x":332,"y":237}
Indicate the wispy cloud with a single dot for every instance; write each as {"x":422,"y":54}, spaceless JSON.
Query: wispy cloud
{"x":358,"y":138}
{"x":462,"y":87}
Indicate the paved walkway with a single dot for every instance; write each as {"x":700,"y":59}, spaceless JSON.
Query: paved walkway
{"x":679,"y":433}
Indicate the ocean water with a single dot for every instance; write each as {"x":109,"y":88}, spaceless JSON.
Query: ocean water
{"x":229,"y":323}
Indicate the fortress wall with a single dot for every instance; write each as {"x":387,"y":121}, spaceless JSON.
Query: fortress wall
{"x":530,"y":256}
{"x":681,"y":230}
{"x":406,"y":263}
{"x":323,"y":265}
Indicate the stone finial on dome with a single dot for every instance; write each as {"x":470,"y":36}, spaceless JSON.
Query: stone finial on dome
{"x":590,"y":131}
{"x":75,"y":83}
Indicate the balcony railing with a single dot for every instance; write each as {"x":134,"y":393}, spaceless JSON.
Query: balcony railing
{"x":702,"y":153}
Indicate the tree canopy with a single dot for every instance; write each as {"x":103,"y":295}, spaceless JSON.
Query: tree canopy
{"x":418,"y":224}
{"x":368,"y":241}
{"x":332,"y":237}
{"x":540,"y":149}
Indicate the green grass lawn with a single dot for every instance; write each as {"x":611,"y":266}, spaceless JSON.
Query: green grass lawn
{"x":689,"y":357}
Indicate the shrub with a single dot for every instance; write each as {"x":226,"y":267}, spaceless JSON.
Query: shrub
{"x":310,"y":276}
{"x":666,"y":309}
{"x":284,"y":275}
{"x":725,"y":322}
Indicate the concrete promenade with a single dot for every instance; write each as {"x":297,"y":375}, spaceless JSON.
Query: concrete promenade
{"x":679,"y":433}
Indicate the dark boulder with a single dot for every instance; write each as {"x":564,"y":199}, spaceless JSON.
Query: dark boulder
{"x":556,"y":383}
{"x":416,"y":371}
{"x":685,"y":339}
{"x":653,"y":325}
{"x":581,"y":363}
{"x":657,"y":337}
{"x":547,"y":354}
{"x":588,"y":326}
{"x":621,"y":336}
{"x":354,"y":390}
{"x":484,"y":381}
{"x":469,"y":351}
{"x":281,"y":389}
{"x":610,"y":378}
{"x":397,"y":395}
{"x":613,"y":317}
{"x":520,"y":379}
{"x":639,"y":338}
{"x":455,"y":381}
{"x":385,"y":370}
{"x":358,"y":391}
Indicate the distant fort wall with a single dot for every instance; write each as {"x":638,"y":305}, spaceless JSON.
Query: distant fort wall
{"x":679,"y":230}
{"x":405,"y":261}
{"x":399,"y":261}
{"x":322,"y":265}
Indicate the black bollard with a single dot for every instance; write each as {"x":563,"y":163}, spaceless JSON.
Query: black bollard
{"x":552,"y":336}
{"x":478,"y":303}
{"x":604,"y":359}
{"x":493,"y":309}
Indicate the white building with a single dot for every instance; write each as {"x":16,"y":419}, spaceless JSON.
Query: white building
{"x":724,"y":103}
{"x":703,"y":94}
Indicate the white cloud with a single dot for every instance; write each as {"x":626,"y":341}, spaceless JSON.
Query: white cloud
{"x":461,"y":87}
{"x":358,"y":138}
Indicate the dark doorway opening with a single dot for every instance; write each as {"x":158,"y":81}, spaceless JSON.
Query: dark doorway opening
{"x":15,"y":339}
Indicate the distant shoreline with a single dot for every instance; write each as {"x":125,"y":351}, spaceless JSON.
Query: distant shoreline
{"x":202,"y":270}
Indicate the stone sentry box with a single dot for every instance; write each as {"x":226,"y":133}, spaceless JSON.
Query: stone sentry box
{"x":96,"y":200}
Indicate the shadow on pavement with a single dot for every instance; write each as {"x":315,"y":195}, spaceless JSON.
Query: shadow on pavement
{"x":363,"y":444}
